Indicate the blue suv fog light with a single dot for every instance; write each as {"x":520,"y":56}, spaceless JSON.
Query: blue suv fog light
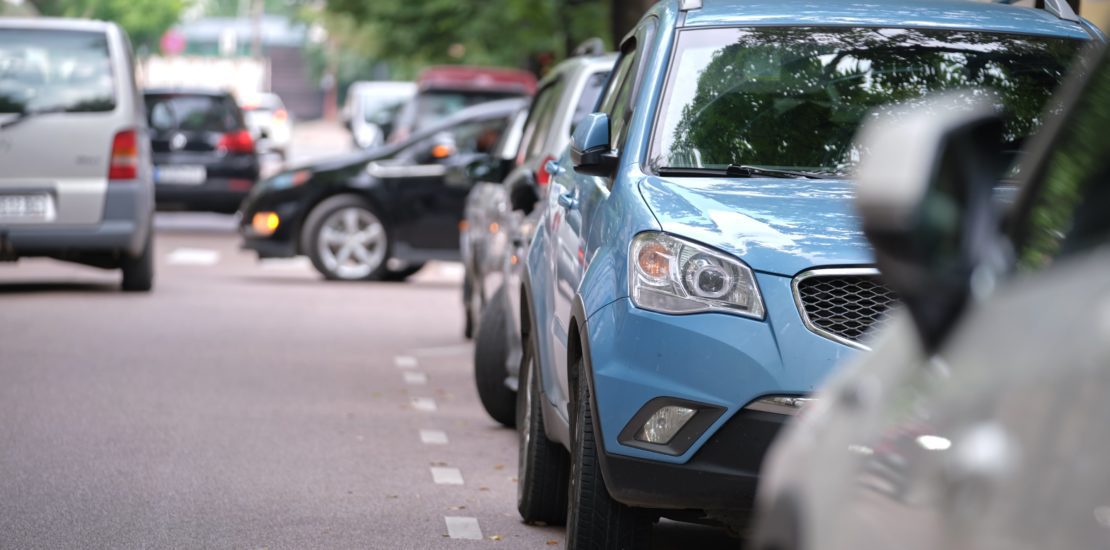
{"x":669,"y":425}
{"x":662,"y":426}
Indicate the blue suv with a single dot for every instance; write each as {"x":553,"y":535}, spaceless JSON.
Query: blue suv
{"x":698,"y":269}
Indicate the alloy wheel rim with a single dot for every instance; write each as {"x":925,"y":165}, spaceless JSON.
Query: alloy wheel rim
{"x":352,"y":242}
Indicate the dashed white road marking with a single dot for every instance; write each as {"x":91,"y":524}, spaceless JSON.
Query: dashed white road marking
{"x":404,"y":361}
{"x":416,"y":378}
{"x":463,"y":528}
{"x":426,"y":404}
{"x":286,"y":264}
{"x":446,"y":476}
{"x":193,"y":256}
{"x":443,"y":351}
{"x":433,"y":437}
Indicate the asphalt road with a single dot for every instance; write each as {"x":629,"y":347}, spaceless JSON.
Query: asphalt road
{"x":248,"y":404}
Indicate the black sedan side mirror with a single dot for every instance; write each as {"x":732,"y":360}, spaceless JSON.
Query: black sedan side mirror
{"x":925,"y":195}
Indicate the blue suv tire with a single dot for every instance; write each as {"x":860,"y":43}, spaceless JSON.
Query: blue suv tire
{"x":595,"y":520}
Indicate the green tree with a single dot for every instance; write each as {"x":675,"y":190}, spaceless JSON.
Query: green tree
{"x":497,"y":32}
{"x":144,"y":20}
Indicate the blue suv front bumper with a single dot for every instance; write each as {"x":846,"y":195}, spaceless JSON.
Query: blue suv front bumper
{"x":720,"y":363}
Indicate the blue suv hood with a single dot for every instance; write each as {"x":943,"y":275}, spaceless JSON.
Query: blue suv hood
{"x":780,"y":226}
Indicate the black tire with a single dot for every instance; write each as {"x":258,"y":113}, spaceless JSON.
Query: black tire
{"x":491,"y":353}
{"x":400,"y":275}
{"x":542,"y":465}
{"x":594,"y":520}
{"x":468,"y":290}
{"x":138,"y":271}
{"x":314,"y":224}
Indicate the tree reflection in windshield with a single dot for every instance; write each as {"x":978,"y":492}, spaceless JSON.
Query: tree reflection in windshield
{"x":794,"y":97}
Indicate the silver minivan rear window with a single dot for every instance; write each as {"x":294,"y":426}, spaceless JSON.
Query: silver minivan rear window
{"x":54,"y":70}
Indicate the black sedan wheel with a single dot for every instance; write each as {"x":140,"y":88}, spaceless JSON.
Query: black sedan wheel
{"x":346,"y":239}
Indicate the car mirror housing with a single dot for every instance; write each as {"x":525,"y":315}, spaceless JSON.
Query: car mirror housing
{"x":926,"y":180}
{"x":590,"y":150}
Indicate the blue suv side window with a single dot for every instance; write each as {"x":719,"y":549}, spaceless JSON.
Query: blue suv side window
{"x":616,"y":101}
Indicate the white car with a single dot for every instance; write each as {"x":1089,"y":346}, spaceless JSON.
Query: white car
{"x":76,"y":180}
{"x":371,"y":108}
{"x":269,"y":122}
{"x":979,"y":420}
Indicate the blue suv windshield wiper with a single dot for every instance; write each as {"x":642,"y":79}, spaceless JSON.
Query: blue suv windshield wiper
{"x":743,"y":171}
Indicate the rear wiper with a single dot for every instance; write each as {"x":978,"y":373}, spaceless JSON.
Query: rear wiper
{"x":741,"y":171}
{"x":28,"y":113}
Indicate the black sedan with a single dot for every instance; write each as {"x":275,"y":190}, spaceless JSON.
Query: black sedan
{"x":203,"y":153}
{"x":378,"y":214}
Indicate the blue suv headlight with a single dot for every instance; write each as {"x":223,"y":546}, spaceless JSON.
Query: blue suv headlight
{"x":672,"y":275}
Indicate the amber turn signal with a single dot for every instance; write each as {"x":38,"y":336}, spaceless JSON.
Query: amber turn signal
{"x":265,"y":223}
{"x":654,"y":260}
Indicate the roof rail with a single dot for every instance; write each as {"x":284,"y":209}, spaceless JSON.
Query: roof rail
{"x":1059,"y":8}
{"x":590,"y":46}
{"x":686,"y":5}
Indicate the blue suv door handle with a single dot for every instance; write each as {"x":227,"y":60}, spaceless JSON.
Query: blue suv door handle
{"x":568,"y":201}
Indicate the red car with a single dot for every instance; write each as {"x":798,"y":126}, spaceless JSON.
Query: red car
{"x":442,"y":91}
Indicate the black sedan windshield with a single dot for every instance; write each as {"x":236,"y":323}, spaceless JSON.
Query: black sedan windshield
{"x":793,"y":97}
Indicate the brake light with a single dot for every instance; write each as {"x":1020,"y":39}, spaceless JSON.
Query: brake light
{"x":239,"y":141}
{"x":543,"y":177}
{"x":280,"y":115}
{"x":124,"y":162}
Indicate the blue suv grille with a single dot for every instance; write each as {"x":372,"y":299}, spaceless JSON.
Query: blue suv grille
{"x":843,"y":305}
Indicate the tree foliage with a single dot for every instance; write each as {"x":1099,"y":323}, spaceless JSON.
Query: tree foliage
{"x":144,"y":20}
{"x":499,"y":32}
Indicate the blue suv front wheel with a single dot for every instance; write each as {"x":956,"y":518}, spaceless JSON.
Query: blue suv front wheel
{"x":595,"y":519}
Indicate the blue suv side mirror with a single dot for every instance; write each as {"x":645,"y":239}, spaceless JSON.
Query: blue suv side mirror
{"x":590,"y":149}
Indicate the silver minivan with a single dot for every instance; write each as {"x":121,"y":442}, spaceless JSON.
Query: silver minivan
{"x":75,"y":172}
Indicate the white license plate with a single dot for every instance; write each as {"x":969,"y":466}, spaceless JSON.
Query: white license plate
{"x":180,"y":175}
{"x":37,"y":207}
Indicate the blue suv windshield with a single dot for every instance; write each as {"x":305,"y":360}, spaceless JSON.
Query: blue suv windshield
{"x":793,"y":97}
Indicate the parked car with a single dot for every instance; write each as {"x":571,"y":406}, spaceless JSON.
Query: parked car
{"x":376,"y":214}
{"x":204,"y":154}
{"x":269,"y":123}
{"x":371,"y":109}
{"x":698,"y":267}
{"x":500,"y":215}
{"x":979,"y":420}
{"x":444,"y":91}
{"x":76,"y":178}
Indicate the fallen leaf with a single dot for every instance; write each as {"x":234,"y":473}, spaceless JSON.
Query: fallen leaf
{"x":495,"y":537}
{"x":552,"y":542}
{"x":498,"y":466}
{"x":483,"y":488}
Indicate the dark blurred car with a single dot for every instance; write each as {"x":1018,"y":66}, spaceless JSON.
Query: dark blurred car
{"x":204,"y":154}
{"x":443,"y":91}
{"x":979,"y":420}
{"x":500,"y":217}
{"x":378,"y":214}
